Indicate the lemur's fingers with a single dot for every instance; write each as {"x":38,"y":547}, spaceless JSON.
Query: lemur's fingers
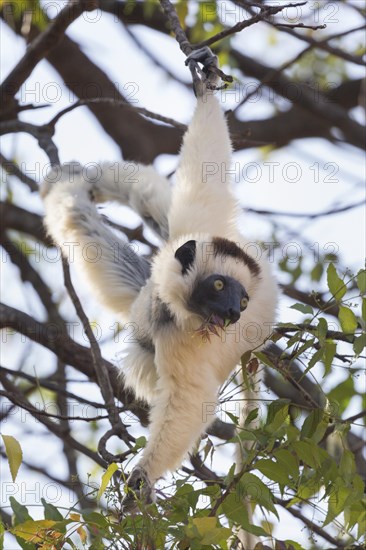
{"x":206,"y":77}
{"x":139,"y":488}
{"x":203,"y":55}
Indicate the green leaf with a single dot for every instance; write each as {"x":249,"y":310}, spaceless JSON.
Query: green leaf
{"x":347,"y":319}
{"x":364,"y":309}
{"x":273,"y":471}
{"x":2,"y":531}
{"x":295,"y":545}
{"x":330,"y":349}
{"x":106,"y":477}
{"x":140,"y":442}
{"x":288,"y":461}
{"x":21,"y":513}
{"x":235,"y":509}
{"x":315,"y":425}
{"x":14,"y":453}
{"x":251,"y":416}
{"x":96,"y":520}
{"x":335,"y":284}
{"x":361,"y":280}
{"x":359,"y":344}
{"x":311,"y":422}
{"x":33,"y":530}
{"x":337,"y":500}
{"x":51,"y":512}
{"x":264,"y":359}
{"x":209,"y":532}
{"x":277,"y":414}
{"x":317,"y":272}
{"x":322,"y":329}
{"x":251,"y":486}
{"x":341,"y":395}
{"x":303,"y":308}
{"x":308,"y":453}
{"x":347,"y":466}
{"x":315,"y":358}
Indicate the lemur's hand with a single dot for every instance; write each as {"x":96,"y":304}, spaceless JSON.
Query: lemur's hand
{"x":205,"y":78}
{"x":139,"y":488}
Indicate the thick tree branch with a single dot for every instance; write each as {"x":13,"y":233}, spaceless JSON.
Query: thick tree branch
{"x":58,"y":341}
{"x":43,"y":134}
{"x":41,"y":46}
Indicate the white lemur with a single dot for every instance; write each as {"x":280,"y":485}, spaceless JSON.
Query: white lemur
{"x":203,"y":300}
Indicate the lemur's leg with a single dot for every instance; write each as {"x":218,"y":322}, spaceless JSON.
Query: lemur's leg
{"x":201,"y":199}
{"x":114,"y":270}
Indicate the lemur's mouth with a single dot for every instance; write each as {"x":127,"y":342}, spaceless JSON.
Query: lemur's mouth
{"x":214,"y":324}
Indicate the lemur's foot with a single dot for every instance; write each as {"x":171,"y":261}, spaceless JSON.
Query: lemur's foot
{"x":66,"y":173}
{"x":205,"y":78}
{"x":73,"y":173}
{"x":139,"y":488}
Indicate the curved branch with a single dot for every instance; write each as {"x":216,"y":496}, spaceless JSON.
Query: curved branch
{"x":41,"y":46}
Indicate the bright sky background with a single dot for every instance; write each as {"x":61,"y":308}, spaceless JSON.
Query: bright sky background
{"x":80,"y":137}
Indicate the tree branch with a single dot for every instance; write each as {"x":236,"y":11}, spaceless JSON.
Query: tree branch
{"x":41,"y":46}
{"x":12,"y":169}
{"x":101,"y":372}
{"x":18,"y":399}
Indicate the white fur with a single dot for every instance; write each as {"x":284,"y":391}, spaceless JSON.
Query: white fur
{"x":182,"y":377}
{"x":202,"y":200}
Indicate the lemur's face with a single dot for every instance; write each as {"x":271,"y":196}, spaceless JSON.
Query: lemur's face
{"x":219,"y":297}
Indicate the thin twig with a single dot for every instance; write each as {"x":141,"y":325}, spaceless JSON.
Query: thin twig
{"x":18,"y":398}
{"x":116,"y":103}
{"x":300,"y":26}
{"x":101,"y":372}
{"x":272,"y":75}
{"x":53,"y":386}
{"x":13,"y":170}
{"x":313,"y":527}
{"x":60,"y":416}
{"x":304,"y":215}
{"x":265,"y":11}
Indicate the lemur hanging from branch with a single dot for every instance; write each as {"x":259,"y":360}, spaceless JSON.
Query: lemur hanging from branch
{"x":203,"y":300}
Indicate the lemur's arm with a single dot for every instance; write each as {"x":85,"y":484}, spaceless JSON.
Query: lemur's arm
{"x":201,"y":199}
{"x":184,"y":401}
{"x":115,"y":272}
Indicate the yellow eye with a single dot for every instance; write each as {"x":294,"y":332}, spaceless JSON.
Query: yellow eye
{"x":243,"y":303}
{"x":218,"y":284}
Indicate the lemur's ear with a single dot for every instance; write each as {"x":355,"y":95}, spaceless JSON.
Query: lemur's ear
{"x":186,"y":255}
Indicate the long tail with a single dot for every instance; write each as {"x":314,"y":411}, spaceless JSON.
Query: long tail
{"x":113,"y":268}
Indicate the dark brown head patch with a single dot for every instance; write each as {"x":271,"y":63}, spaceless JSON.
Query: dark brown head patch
{"x":224,"y":247}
